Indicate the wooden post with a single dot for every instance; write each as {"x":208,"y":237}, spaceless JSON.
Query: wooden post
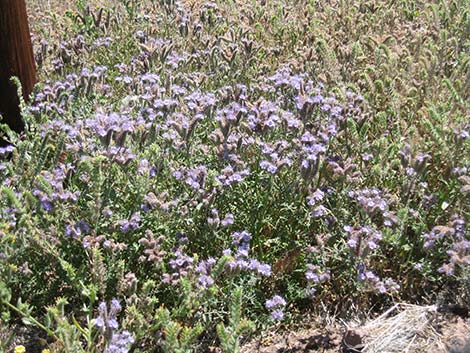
{"x":16,"y":59}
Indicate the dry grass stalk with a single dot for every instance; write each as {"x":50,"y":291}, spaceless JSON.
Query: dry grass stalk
{"x":412,"y":329}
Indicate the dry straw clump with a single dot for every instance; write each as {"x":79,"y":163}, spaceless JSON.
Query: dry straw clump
{"x":414,"y":328}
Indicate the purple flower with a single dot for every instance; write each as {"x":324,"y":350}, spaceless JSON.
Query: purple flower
{"x":241,"y":237}
{"x":276,"y":305}
{"x":242,"y":261}
{"x":177,"y":175}
{"x":205,"y":281}
{"x":315,"y":275}
{"x":260,"y":268}
{"x":7,"y":149}
{"x":277,"y":314}
{"x":228,"y":220}
{"x":132,"y":224}
{"x":275,"y":302}
{"x":229,"y":176}
{"x":319,"y":211}
{"x":120,"y":343}
{"x":76,"y":230}
{"x":143,"y":167}
{"x":108,"y":325}
{"x":47,"y":205}
{"x":214,"y":219}
{"x":107,"y":322}
{"x":454,"y":236}
{"x":268,"y":166}
{"x":316,"y":197}
{"x":181,"y":264}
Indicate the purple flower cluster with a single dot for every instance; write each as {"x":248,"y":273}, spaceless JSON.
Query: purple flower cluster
{"x":373,"y":202}
{"x":107,"y":321}
{"x":414,"y":165}
{"x":315,"y":276}
{"x":311,"y":151}
{"x":229,"y":176}
{"x":9,"y":216}
{"x":461,"y":134}
{"x":229,"y":117}
{"x":242,"y":261}
{"x":77,"y":230}
{"x":160,"y":201}
{"x":195,"y":177}
{"x":120,"y":155}
{"x":277,"y":154}
{"x":276,"y":305}
{"x":460,"y":171}
{"x":143,"y":167}
{"x":4,"y":151}
{"x":120,"y":343}
{"x":374,"y":282}
{"x":264,"y":116}
{"x":102,"y":42}
{"x":107,"y":324}
{"x":92,"y":241}
{"x":55,"y":97}
{"x":114,"y":127}
{"x":215,"y":221}
{"x":315,"y":197}
{"x":184,"y":125}
{"x":343,"y":169}
{"x":284,"y":78}
{"x":127,"y":225}
{"x":181,"y":264}
{"x":314,"y":200}
{"x":203,"y":269}
{"x":362,"y":240}
{"x":457,"y":235}
{"x":50,"y":188}
{"x":200,"y":102}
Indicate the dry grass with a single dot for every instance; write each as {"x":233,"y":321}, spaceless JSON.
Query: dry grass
{"x":412,"y":328}
{"x":404,"y":328}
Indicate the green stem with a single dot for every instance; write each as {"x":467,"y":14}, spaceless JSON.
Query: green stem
{"x":33,"y":320}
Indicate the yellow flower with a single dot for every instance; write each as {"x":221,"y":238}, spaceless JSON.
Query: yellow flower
{"x":20,"y":349}
{"x":46,"y":351}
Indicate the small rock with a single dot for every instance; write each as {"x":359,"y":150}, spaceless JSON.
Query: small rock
{"x":352,"y":342}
